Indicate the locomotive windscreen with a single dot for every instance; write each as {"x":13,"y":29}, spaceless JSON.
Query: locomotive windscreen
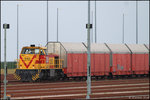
{"x":30,"y":51}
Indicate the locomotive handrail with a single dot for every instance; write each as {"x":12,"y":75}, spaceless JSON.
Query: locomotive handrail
{"x":56,"y":63}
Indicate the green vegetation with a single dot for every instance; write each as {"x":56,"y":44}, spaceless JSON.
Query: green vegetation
{"x":10,"y":65}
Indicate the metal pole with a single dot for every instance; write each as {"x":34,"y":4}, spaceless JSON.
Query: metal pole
{"x":136,"y":22}
{"x":123,"y":30}
{"x":47,"y":35}
{"x":5,"y":81}
{"x":5,"y":26}
{"x":47,"y":21}
{"x":88,"y":59}
{"x":57,"y":24}
{"x":17,"y":32}
{"x":95,"y":24}
{"x":92,"y":29}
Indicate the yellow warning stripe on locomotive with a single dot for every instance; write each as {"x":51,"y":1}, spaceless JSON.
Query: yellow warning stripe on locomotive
{"x":17,"y":77}
{"x":35,"y":77}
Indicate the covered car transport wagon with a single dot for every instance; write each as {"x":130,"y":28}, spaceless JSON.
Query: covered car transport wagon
{"x":75,"y":58}
{"x":100,"y":55}
{"x":140,"y":58}
{"x":74,"y":55}
{"x":106,"y":59}
{"x":120,"y":61}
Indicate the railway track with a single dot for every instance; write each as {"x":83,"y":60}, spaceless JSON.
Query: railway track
{"x":11,"y":79}
{"x":101,"y":89}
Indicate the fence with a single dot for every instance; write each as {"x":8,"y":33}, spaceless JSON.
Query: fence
{"x":10,"y":65}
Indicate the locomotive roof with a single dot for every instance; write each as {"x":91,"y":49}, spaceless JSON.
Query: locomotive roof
{"x":35,"y":47}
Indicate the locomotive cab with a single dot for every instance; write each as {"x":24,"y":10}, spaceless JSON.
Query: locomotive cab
{"x":30,"y":57}
{"x":35,"y":63}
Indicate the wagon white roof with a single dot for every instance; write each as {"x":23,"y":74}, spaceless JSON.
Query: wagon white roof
{"x":118,"y":48}
{"x":138,"y":48}
{"x":74,"y":47}
{"x":147,"y":45}
{"x":99,"y":48}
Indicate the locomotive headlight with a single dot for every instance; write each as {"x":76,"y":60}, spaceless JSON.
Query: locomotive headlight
{"x":33,"y":66}
{"x":20,"y":66}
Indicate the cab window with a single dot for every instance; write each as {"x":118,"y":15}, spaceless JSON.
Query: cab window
{"x":41,"y":52}
{"x":30,"y":51}
{"x":36,"y":51}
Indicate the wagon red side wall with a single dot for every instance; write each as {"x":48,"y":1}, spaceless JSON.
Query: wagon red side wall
{"x":121,"y":64}
{"x":77,"y":64}
{"x":140,"y":63}
{"x":147,"y":63}
{"x":100,"y":64}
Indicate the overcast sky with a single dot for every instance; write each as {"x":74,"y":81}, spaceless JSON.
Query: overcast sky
{"x":72,"y":20}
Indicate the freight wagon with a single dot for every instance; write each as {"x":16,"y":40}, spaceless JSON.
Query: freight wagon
{"x":63,"y":60}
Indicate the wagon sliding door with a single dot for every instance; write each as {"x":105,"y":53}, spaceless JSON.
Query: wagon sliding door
{"x":121,"y":60}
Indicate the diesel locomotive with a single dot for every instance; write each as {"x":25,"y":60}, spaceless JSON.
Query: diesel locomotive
{"x":35,"y":63}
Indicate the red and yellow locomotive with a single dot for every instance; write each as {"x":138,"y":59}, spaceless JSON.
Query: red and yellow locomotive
{"x":35,"y":63}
